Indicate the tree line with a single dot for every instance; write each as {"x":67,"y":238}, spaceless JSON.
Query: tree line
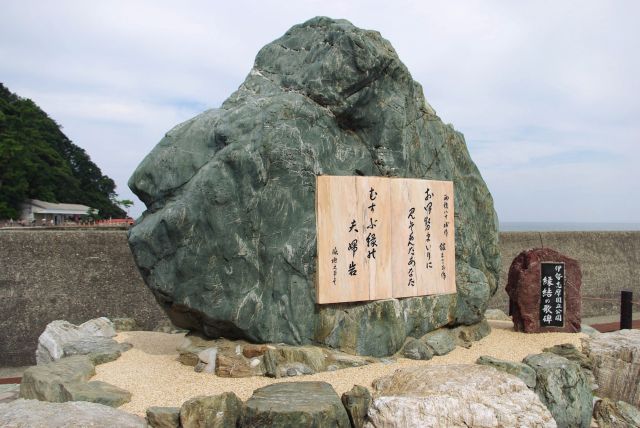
{"x":37,"y":161}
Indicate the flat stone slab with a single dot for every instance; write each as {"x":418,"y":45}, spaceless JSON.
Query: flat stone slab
{"x":97,"y":392}
{"x":68,"y":380}
{"x":46,"y":381}
{"x":35,"y":413}
{"x":458,"y":395}
{"x":295,"y":404}
{"x":99,"y":349}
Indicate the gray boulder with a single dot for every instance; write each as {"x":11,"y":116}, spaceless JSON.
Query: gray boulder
{"x":294,"y":361}
{"x":228,"y":241}
{"x":570,"y":352}
{"x":457,"y":395}
{"x":163,"y":417}
{"x":466,"y":334}
{"x":68,"y":380}
{"x":47,"y":382}
{"x":563,"y":388}
{"x":616,"y":364}
{"x":357,"y":402}
{"x":219,"y":411}
{"x":619,"y":414}
{"x":295,"y":404}
{"x":57,"y":333}
{"x":416,"y":350}
{"x":441,"y":341}
{"x":521,"y":370}
{"x":99,"y":349}
{"x":34,"y":413}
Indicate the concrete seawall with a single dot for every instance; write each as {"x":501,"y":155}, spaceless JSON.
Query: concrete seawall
{"x":73,"y":275}
{"x":77,"y":275}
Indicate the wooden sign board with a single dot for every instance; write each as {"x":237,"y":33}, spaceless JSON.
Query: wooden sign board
{"x":384,"y":237}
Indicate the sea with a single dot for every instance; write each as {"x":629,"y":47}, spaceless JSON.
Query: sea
{"x":533,"y":226}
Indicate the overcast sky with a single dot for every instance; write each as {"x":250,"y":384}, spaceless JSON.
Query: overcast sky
{"x":547,"y":93}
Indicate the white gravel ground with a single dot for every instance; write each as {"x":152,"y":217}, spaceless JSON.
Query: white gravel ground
{"x":151,"y":373}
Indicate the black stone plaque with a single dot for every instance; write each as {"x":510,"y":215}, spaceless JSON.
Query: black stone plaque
{"x":552,"y":294}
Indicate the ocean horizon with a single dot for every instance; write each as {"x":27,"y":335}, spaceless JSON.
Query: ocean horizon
{"x":535,"y":226}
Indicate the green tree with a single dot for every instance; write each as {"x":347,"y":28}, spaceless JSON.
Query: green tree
{"x":124,"y":203}
{"x":37,"y":161}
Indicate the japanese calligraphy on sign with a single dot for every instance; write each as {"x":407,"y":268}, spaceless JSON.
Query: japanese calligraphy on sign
{"x":384,"y":237}
{"x":552,"y":298}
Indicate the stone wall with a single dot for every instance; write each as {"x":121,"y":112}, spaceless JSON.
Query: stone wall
{"x":77,"y":275}
{"x":74,"y":275}
{"x":610,"y":262}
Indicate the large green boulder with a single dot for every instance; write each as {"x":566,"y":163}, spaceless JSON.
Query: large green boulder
{"x":228,"y":241}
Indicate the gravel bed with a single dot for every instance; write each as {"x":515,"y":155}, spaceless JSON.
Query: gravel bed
{"x":151,"y":373}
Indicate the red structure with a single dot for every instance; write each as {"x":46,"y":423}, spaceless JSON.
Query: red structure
{"x":544,"y":292}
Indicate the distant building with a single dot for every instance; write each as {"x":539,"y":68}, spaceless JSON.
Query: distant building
{"x":40,"y":212}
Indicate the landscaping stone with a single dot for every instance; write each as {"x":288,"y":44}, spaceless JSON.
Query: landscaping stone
{"x":524,"y":289}
{"x":218,"y":411}
{"x":57,"y":333}
{"x":616,"y":364}
{"x":357,"y":402}
{"x":163,"y":417}
{"x":237,"y":367}
{"x":252,"y":351}
{"x":441,"y":341}
{"x":98,"y":327}
{"x":99,"y":349}
{"x":619,"y":414}
{"x":300,"y":359}
{"x":467,"y":334}
{"x":295,"y":404}
{"x":35,"y":413}
{"x":457,"y":395}
{"x":570,"y":352}
{"x":521,"y":370}
{"x":208,"y":356}
{"x":47,"y":382}
{"x":96,"y":392}
{"x":563,"y":388}
{"x":416,"y":350}
{"x":311,"y":105}
{"x":67,"y":380}
{"x":343,"y":361}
